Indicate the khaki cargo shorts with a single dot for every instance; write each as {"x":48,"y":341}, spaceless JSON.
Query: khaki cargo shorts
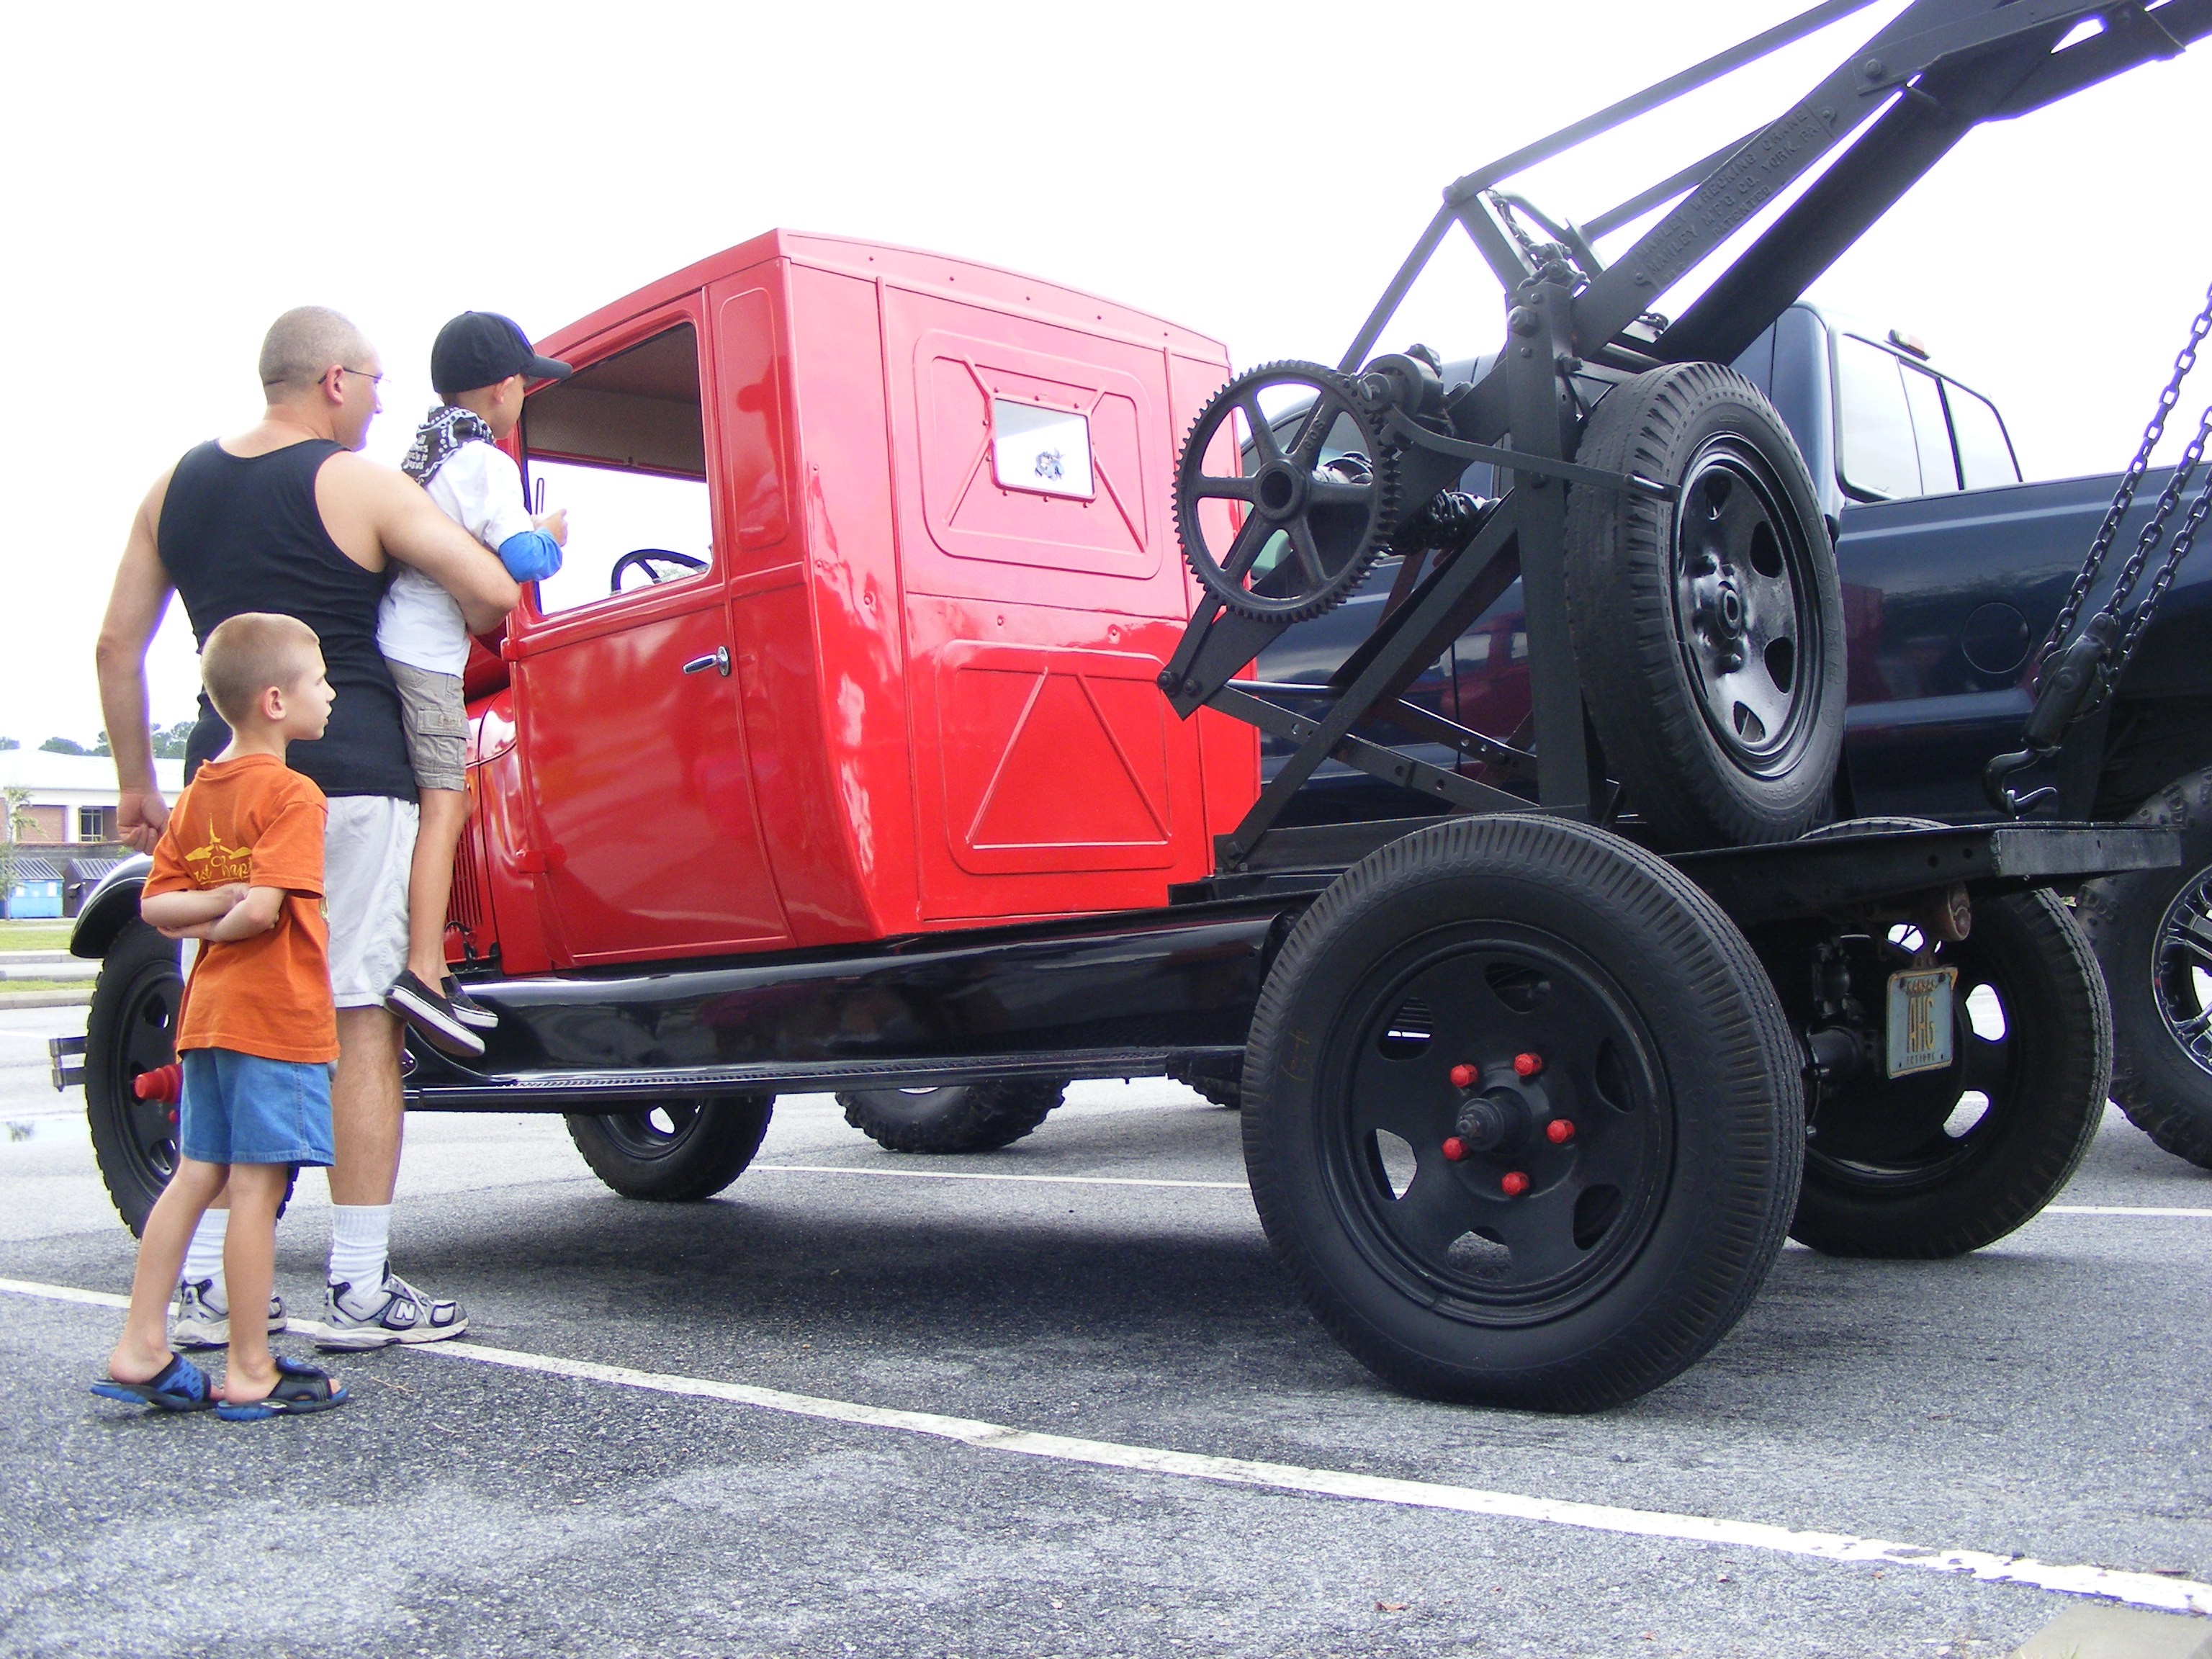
{"x":436,"y":720}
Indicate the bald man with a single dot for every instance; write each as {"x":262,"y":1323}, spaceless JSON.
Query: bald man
{"x":286,"y":517}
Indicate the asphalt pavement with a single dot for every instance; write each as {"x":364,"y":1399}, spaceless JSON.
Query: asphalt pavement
{"x":864,"y":1404}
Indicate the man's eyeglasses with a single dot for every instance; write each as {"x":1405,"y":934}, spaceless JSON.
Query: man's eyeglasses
{"x":372,"y":380}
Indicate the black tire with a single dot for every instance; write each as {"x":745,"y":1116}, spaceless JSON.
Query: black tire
{"x":673,"y":1154}
{"x":1893,"y":1168}
{"x":131,"y":1028}
{"x":2144,"y":927}
{"x":1709,"y":755}
{"x":960,"y":1117}
{"x":1638,"y":1244}
{"x":1221,"y":1091}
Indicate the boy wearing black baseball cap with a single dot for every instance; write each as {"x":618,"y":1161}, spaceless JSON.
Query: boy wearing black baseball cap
{"x":480,"y":365}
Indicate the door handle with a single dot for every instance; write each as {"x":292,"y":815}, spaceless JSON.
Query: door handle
{"x":718,"y":661}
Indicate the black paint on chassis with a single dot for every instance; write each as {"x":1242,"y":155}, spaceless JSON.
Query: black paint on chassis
{"x":1632,"y":1247}
{"x":1133,"y":994}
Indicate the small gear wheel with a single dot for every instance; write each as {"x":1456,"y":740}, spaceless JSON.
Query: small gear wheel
{"x":1318,"y":498}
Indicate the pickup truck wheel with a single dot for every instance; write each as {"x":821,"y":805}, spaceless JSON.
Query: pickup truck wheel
{"x":1943,"y":1162}
{"x":1521,"y":1115}
{"x":960,"y":1117}
{"x":2151,"y":932}
{"x":1708,"y":635}
{"x":677,"y":1153}
{"x":131,"y":1028}
{"x":1227,"y":1091}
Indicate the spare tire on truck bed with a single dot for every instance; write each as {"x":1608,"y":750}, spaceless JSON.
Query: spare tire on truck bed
{"x":1709,"y":633}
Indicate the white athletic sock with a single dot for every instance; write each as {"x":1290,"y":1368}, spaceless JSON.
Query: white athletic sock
{"x":203,"y":1255}
{"x":360,"y":1236}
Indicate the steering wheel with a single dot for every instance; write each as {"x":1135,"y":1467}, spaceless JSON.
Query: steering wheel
{"x":644,"y":558}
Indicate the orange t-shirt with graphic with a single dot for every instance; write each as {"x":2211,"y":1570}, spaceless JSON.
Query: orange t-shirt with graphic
{"x":254,"y":820}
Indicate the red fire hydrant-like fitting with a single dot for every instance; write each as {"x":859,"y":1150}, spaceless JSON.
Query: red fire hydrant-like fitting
{"x":1559,"y":1132}
{"x":1513,"y":1183}
{"x":164,"y":1084}
{"x":1463,"y":1077}
{"x":1528,"y":1065}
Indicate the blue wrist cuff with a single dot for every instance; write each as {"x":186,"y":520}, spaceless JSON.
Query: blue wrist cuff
{"x":530,"y":555}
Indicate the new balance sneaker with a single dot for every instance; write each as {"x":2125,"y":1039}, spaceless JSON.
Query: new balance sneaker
{"x":430,"y":1014}
{"x":466,"y":1008}
{"x":378,"y":1316}
{"x":201,"y":1321}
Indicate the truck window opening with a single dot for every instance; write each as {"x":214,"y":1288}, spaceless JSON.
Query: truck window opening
{"x":621,"y":445}
{"x":1877,"y":453}
{"x":1931,"y":432}
{"x":1986,"y":457}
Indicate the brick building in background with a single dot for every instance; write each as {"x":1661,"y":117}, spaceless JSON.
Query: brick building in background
{"x":66,"y":823}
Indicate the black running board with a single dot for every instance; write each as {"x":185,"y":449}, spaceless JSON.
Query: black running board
{"x":596,"y":1091}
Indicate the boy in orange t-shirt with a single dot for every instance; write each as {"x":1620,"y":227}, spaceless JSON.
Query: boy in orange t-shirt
{"x":240,"y":867}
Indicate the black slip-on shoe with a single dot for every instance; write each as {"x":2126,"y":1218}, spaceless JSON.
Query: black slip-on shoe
{"x":431,"y":1015}
{"x":466,"y":1008}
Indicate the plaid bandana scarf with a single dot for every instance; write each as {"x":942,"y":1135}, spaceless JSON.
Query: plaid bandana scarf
{"x":444,"y":430}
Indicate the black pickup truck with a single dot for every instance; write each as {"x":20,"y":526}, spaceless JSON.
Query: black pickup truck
{"x":1953,"y":571}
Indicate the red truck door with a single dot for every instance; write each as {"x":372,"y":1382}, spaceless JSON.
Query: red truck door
{"x":626,"y":701}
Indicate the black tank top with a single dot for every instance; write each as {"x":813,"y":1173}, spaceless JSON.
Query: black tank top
{"x":244,"y":534}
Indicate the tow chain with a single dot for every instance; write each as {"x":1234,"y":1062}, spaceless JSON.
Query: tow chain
{"x":2124,"y":496}
{"x":2073,"y":682}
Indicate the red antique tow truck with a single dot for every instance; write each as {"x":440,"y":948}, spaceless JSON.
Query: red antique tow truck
{"x":883,"y":743}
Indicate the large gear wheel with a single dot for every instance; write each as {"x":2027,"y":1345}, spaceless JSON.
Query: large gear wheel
{"x":1316,"y":514}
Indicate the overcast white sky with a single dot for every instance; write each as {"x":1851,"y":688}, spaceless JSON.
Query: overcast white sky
{"x":178,"y":175}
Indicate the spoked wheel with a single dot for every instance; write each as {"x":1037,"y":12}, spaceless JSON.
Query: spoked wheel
{"x":677,"y":1152}
{"x":1709,"y":635}
{"x":1316,"y":510}
{"x":130,"y":1030}
{"x":1521,"y":1115}
{"x":2151,"y":932}
{"x":1942,"y":1162}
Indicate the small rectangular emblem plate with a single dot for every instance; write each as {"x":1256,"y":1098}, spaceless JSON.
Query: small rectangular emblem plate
{"x":1920,"y":1025}
{"x":1046,"y":451}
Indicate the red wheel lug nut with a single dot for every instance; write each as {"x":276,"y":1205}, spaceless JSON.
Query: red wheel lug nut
{"x":1528,"y":1065}
{"x":1559,"y":1132}
{"x":1455,"y":1149}
{"x":1513,"y":1183}
{"x":1463,"y":1077}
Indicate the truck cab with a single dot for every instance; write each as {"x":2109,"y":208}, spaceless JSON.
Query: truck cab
{"x":870,"y":561}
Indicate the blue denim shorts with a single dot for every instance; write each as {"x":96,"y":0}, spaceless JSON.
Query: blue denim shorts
{"x":242,"y":1108}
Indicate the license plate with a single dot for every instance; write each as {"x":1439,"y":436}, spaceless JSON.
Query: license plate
{"x":1920,"y":1027}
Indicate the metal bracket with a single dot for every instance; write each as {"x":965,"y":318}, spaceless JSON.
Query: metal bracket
{"x":1521,"y":460}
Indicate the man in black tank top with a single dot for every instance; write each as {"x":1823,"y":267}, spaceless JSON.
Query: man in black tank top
{"x":285,"y":517}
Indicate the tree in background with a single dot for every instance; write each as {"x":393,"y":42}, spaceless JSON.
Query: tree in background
{"x":13,"y":822}
{"x":170,"y":743}
{"x":9,"y":743}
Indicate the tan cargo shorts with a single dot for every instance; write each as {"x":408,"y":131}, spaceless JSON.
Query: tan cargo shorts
{"x":436,"y":720}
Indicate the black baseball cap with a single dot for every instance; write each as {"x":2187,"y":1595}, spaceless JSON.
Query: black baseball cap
{"x":481,"y":348}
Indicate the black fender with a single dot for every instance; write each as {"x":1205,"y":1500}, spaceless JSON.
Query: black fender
{"x":110,"y":907}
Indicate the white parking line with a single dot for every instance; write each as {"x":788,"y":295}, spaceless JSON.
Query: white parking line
{"x":1238,"y":1186}
{"x":2141,"y":1590}
{"x":973,"y":1175}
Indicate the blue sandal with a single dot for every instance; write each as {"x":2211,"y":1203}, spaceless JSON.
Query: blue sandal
{"x":299,"y":1389}
{"x":180,"y":1386}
